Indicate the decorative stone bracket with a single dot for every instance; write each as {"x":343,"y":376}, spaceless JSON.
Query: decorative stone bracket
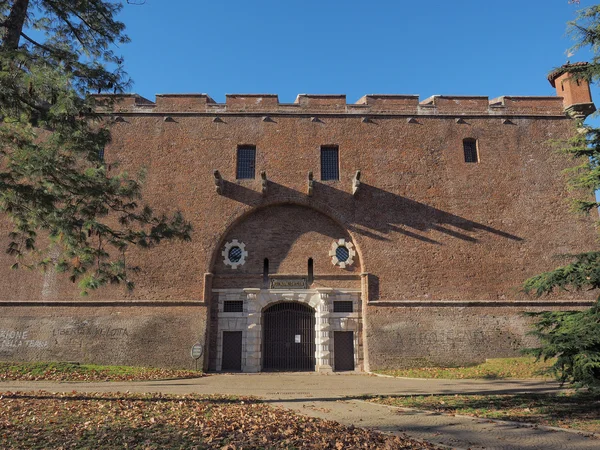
{"x":324,"y":293}
{"x":218,"y":182}
{"x":264,"y":182}
{"x":311,"y":184}
{"x":251,"y":293}
{"x":356,"y":182}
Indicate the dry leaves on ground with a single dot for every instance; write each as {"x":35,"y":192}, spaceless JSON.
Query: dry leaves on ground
{"x":153,"y":421}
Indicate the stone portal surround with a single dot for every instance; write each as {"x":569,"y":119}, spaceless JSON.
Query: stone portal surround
{"x":249,"y":322}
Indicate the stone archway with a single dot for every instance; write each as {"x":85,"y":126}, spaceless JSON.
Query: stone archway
{"x":250,"y":323}
{"x":283,"y":242}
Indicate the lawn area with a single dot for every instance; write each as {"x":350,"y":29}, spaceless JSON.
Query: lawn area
{"x":152,"y":421}
{"x":10,"y":371}
{"x":568,"y":410}
{"x":498,"y":368}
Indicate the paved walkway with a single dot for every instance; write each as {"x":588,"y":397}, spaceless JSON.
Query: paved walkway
{"x":295,"y":386}
{"x":453,"y":431}
{"x":338,"y":397}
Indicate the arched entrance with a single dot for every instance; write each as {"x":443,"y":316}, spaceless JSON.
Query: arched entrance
{"x":289,"y":337}
{"x":281,"y":295}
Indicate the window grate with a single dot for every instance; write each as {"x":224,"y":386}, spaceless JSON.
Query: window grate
{"x":246,"y":162}
{"x":101,"y":154}
{"x":342,"y":253}
{"x":233,"y":306}
{"x":330,"y":166}
{"x":343,"y":306}
{"x":470,"y":148}
{"x":235,"y":254}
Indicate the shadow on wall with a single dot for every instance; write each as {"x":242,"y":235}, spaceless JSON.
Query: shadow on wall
{"x":373,"y":287}
{"x":372,"y":213}
{"x":285,"y":229}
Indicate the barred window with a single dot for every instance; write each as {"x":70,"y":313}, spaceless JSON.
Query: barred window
{"x":233,"y":306}
{"x":101,"y":154}
{"x":342,"y":253}
{"x":246,"y":161}
{"x":235,"y":254}
{"x":330,"y":164}
{"x":470,"y":148}
{"x":342,"y":306}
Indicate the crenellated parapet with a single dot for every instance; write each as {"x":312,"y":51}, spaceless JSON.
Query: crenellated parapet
{"x":313,"y":104}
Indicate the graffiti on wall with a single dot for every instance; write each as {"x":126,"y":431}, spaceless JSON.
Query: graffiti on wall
{"x":93,"y":331}
{"x":13,"y":339}
{"x":16,"y":340}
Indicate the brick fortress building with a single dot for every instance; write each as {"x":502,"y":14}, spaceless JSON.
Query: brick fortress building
{"x":391,"y":232}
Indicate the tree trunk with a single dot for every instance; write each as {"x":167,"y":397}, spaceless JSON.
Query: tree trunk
{"x":14,"y":25}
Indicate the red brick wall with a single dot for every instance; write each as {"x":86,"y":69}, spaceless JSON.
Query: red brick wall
{"x":288,"y":235}
{"x":426,"y":224}
{"x":126,"y":334}
{"x":436,"y":334}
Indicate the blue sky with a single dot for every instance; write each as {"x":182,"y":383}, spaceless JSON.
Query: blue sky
{"x":461,"y":47}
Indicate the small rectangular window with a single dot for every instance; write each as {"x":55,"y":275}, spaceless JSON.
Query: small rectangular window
{"x":330,"y":164}
{"x":246,"y":161}
{"x":342,"y":306}
{"x":233,"y":306}
{"x":101,"y":154}
{"x":470,"y":148}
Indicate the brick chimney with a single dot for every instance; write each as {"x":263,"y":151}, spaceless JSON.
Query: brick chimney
{"x":576,"y":95}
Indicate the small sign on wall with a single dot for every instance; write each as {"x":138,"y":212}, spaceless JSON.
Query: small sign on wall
{"x":288,"y":283}
{"x":197,"y":350}
{"x":297,"y":339}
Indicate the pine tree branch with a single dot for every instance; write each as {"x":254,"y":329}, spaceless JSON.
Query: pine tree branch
{"x":52,"y":182}
{"x":100,"y":32}
{"x":60,"y":54}
{"x":65,"y":18}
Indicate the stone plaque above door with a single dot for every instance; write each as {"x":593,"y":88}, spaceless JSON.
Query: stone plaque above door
{"x":288,"y":283}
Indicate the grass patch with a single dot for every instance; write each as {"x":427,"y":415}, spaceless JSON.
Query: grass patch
{"x":492,"y":369}
{"x":55,"y":371}
{"x":152,"y":421}
{"x":565,"y":410}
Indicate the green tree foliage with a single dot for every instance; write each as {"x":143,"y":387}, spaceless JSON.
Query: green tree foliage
{"x":67,"y":207}
{"x":573,"y":337}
